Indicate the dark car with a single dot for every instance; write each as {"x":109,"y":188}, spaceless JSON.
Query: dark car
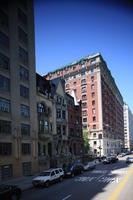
{"x":114,"y":158}
{"x":74,"y":169}
{"x":8,"y":192}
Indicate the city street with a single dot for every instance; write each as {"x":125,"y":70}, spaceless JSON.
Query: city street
{"x":102,"y":183}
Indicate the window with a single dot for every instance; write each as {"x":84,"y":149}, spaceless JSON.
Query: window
{"x":84,"y":104}
{"x":22,"y":17}
{"x":59,"y":100}
{"x":58,"y":113}
{"x":64,"y":114}
{"x":84,"y":119}
{"x":83,"y":88}
{"x":23,"y":55}
{"x":25,"y":130}
{"x":83,"y":81}
{"x":46,"y":125}
{"x":5,"y":149}
{"x":64,"y":130}
{"x":74,"y":77}
{"x":24,"y":73}
{"x":92,"y":71}
{"x":93,"y":102}
{"x":4,"y":40}
{"x":84,"y":112}
{"x":4,"y":62}
{"x":94,"y":134}
{"x":82,"y":74}
{"x":4,"y":105}
{"x":22,"y":36}
{"x":43,"y":126}
{"x":5,"y":127}
{"x":92,"y":78}
{"x":67,"y":86}
{"x":4,"y":84}
{"x":94,"y":126}
{"x":3,"y":19}
{"x":83,"y":96}
{"x":93,"y":94}
{"x":26,"y":148}
{"x":94,"y":119}
{"x":95,"y":142}
{"x":6,"y":172}
{"x":75,"y":91}
{"x":92,"y":86}
{"x":25,"y":112}
{"x":74,"y":83}
{"x":58,"y":129}
{"x":93,"y":111}
{"x":41,"y":108}
{"x":24,"y":92}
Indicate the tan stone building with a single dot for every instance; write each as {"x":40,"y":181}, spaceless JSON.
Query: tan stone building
{"x":18,"y":125}
{"x":52,"y":123}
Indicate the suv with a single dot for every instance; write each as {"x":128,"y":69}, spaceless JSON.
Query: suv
{"x":8,"y":192}
{"x":74,"y":169}
{"x":48,"y":176}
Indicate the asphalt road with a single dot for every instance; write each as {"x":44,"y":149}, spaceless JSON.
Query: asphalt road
{"x":98,"y":184}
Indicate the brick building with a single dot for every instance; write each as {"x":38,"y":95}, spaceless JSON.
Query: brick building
{"x":75,"y":138}
{"x":102,"y":104}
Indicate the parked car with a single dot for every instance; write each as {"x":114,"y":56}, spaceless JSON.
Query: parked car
{"x":129,"y":160}
{"x":90,"y":165}
{"x":74,"y":169}
{"x":114,"y":158}
{"x":8,"y":192}
{"x":107,"y":160}
{"x":47,"y":177}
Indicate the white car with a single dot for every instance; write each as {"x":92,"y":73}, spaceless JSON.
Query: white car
{"x":129,"y":160}
{"x":48,"y":176}
{"x":90,"y":165}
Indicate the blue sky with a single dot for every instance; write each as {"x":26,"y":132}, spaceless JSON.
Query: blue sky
{"x":66,"y":31}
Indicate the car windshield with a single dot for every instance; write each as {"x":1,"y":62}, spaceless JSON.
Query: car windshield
{"x":69,"y":166}
{"x":44,"y":174}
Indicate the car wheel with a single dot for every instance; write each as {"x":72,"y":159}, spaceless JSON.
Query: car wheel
{"x":14,"y":197}
{"x":47,"y":184}
{"x":61,"y":179}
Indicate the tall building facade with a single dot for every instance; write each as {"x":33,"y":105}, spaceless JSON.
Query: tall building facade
{"x":128,"y":128}
{"x":18,"y":124}
{"x":102,"y":103}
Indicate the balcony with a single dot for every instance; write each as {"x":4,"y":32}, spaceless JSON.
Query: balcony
{"x":45,"y":135}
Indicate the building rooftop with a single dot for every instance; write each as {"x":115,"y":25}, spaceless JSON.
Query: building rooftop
{"x":88,"y":57}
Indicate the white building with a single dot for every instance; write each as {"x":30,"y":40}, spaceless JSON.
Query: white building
{"x":128,"y":128}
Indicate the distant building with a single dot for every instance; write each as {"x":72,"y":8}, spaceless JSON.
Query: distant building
{"x":18,"y":125}
{"x":102,"y":104}
{"x":128,"y":128}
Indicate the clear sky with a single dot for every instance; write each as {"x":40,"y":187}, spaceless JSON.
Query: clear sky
{"x":66,"y":31}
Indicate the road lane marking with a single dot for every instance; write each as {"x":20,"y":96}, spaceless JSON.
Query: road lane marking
{"x":99,"y":171}
{"x":67,"y":197}
{"x":121,"y":185}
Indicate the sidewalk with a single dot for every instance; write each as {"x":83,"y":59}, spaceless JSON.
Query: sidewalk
{"x":24,"y":182}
